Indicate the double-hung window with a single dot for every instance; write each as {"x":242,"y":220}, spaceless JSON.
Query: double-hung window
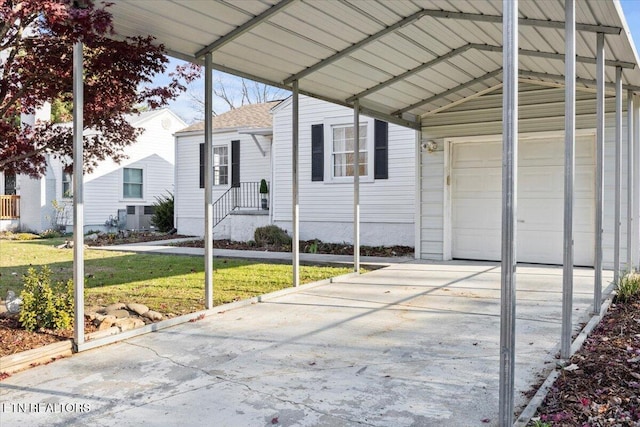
{"x":67,"y":185}
{"x":221,"y":165}
{"x":132,"y":183}
{"x":339,"y":139}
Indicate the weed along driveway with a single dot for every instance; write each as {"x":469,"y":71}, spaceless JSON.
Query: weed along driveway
{"x":410,"y":344}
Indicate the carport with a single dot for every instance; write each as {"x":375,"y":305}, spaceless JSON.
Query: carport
{"x":404,"y":62}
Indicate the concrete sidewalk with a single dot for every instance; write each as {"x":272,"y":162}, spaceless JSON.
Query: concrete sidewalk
{"x":413,"y":344}
{"x":164,"y":247}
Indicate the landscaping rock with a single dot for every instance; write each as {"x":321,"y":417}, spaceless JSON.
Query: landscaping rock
{"x":13,"y":303}
{"x":153,"y":315}
{"x":115,"y":306}
{"x":105,"y":322}
{"x":119,"y":314}
{"x":128,"y":323}
{"x":139,"y":309}
{"x":93,"y":237}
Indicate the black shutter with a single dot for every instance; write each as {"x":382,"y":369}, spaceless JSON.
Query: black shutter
{"x":381,"y":153}
{"x":317,"y":152}
{"x":235,"y":163}
{"x":201,"y":165}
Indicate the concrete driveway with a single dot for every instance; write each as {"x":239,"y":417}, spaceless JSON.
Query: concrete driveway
{"x":410,"y":344}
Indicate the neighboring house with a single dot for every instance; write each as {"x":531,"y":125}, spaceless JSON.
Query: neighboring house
{"x":115,"y":195}
{"x":241,"y":158}
{"x":326,"y":193}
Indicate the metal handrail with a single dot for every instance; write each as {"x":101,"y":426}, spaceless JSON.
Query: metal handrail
{"x":245,"y":196}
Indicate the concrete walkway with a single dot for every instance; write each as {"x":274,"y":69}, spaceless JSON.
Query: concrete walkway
{"x":411,"y":344}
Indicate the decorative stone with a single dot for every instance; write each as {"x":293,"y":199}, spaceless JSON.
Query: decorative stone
{"x":92,"y":237}
{"x":115,"y":306}
{"x":106,"y":322}
{"x":139,"y":309}
{"x":13,"y":302}
{"x":128,"y":323}
{"x":119,"y":314}
{"x":153,"y":315}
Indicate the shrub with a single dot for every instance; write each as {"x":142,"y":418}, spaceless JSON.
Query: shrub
{"x":163,"y":214}
{"x":50,"y":234}
{"x":264,"y":189}
{"x":628,"y":286}
{"x":271,"y":235}
{"x":26,"y":236}
{"x":45,"y":304}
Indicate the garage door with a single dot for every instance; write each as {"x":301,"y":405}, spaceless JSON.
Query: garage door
{"x":476,"y":200}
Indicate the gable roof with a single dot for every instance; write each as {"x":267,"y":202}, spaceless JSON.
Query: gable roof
{"x":250,"y":116}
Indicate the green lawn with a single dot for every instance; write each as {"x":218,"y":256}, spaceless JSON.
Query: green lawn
{"x":166,"y":283}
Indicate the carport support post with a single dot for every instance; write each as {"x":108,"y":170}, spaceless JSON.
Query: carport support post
{"x":597,"y":288}
{"x":78,"y":198}
{"x":208,"y":182}
{"x":356,"y":186}
{"x":636,"y":182}
{"x":295,"y":243}
{"x":630,"y":186}
{"x":509,"y":211}
{"x":569,"y":163}
{"x":618,"y":177}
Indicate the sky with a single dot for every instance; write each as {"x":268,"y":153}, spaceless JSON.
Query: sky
{"x":187,"y":108}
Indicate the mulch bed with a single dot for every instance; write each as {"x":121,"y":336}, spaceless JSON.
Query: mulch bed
{"x":601,"y":385}
{"x":107,"y":239}
{"x":14,"y":338}
{"x":308,"y":246}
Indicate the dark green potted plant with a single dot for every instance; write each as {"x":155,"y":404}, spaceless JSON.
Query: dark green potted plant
{"x":264,"y":190}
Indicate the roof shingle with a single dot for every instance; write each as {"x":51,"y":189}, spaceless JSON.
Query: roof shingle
{"x":255,"y":116}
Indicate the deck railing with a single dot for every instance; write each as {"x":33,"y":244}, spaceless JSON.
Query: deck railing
{"x":9,"y":207}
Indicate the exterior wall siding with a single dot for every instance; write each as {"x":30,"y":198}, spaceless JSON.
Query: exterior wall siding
{"x":540,"y":110}
{"x":326,"y":208}
{"x":189,"y":202}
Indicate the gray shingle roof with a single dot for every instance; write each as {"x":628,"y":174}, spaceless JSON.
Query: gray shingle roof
{"x":248,"y":116}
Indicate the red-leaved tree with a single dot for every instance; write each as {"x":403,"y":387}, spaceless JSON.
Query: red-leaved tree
{"x":36,"y":66}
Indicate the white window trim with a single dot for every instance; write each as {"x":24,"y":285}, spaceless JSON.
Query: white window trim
{"x":63,"y":196}
{"x":145,"y":184}
{"x":328,"y":148}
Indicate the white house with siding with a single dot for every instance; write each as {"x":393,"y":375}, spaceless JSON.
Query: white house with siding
{"x":123,"y":192}
{"x":261,"y":136}
{"x":387,"y":175}
{"x":241,"y":158}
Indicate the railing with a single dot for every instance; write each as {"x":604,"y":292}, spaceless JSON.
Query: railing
{"x":247,"y":195}
{"x":9,"y":207}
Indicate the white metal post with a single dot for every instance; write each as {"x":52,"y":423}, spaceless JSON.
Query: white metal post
{"x":630,"y":214}
{"x":78,"y":197}
{"x":569,"y":163}
{"x":208,"y":181}
{"x":618,"y":178}
{"x":356,"y":186}
{"x":597,"y":288}
{"x":295,"y":244}
{"x":509,"y":211}
{"x":636,"y":183}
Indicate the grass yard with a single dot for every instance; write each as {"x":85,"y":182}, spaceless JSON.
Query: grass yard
{"x":165,"y":283}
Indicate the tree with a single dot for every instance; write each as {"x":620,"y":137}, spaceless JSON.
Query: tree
{"x":36,"y":61}
{"x":234,"y":92}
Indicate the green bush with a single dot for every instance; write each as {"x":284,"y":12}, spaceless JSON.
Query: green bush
{"x":163,"y":215}
{"x":628,"y":286}
{"x":50,"y":234}
{"x":271,"y":235}
{"x":264,"y":189}
{"x":44,"y":304}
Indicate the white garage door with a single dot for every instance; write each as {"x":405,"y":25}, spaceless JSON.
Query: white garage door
{"x":476,"y":200}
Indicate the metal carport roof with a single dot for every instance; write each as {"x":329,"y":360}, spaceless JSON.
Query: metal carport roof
{"x":401,"y":59}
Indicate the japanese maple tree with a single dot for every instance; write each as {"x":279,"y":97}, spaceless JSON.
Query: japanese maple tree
{"x":36,"y":62}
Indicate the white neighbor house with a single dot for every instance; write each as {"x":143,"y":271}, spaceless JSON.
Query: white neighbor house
{"x":130,"y":187}
{"x":263,"y":132}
